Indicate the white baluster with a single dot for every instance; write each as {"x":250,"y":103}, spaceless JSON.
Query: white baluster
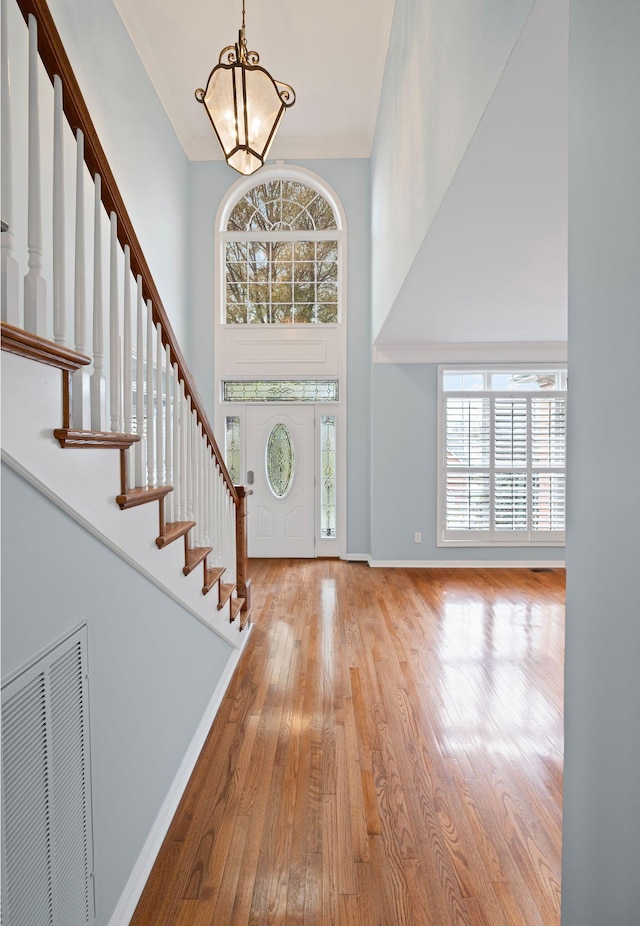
{"x":127,"y":363}
{"x":97,"y":382}
{"x":159,"y":408}
{"x":206,"y":506}
{"x":10,"y":290}
{"x":114,"y":331}
{"x":80,"y":379}
{"x":59,"y":283}
{"x":177,"y":411}
{"x":168,"y":432}
{"x":219,"y":517}
{"x":140,"y":446}
{"x":189,"y":462}
{"x":184,"y":455}
{"x":35,"y":290}
{"x":231,"y":536}
{"x":127,"y":348}
{"x":200,"y":493}
{"x":151,"y":418}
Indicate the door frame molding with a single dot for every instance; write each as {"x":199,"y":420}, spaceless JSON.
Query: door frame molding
{"x":322,"y":546}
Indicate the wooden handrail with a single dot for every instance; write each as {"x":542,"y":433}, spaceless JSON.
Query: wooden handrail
{"x":55,"y":61}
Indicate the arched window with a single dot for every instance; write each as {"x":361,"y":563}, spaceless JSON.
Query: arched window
{"x":282,"y":252}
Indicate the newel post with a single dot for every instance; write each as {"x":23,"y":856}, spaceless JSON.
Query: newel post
{"x":243,"y":582}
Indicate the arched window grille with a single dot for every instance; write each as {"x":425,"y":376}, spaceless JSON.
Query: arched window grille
{"x":282,"y":256}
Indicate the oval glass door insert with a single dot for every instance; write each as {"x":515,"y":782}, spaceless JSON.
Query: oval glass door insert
{"x":279,"y":460}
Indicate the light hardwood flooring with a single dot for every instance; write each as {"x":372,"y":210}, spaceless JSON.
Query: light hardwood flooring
{"x":389,"y":753}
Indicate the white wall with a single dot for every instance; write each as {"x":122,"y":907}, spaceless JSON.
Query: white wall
{"x":152,"y":667}
{"x":601,"y":864}
{"x":443,"y":63}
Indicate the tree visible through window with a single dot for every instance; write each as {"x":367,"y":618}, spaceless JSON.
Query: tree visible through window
{"x":281,"y":257}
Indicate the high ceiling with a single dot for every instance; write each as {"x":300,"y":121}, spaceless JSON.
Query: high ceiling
{"x":332,"y":54}
{"x":493,"y":266}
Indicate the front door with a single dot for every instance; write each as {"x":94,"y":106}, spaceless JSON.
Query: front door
{"x":280,"y":460}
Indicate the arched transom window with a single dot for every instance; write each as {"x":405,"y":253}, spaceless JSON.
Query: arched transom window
{"x":282,"y":246}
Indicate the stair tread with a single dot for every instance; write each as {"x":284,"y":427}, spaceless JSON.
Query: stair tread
{"x":245,"y":618}
{"x":173,"y":531}
{"x":194,"y":557}
{"x":141,"y":495}
{"x":236,"y":605}
{"x":211,"y":577}
{"x":226,"y":591}
{"x":92,"y":440}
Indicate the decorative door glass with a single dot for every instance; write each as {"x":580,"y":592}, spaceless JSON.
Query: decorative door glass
{"x":280,"y":459}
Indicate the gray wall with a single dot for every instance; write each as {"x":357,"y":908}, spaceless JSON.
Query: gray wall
{"x":404,"y":462}
{"x":150,"y":167}
{"x":601,"y":865}
{"x":152,"y":667}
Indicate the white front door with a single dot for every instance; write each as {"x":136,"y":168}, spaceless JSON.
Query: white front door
{"x":280,"y":454}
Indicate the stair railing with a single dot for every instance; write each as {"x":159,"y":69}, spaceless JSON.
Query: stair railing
{"x":138,"y":382}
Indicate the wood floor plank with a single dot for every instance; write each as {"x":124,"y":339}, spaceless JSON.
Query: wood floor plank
{"x":388,"y":753}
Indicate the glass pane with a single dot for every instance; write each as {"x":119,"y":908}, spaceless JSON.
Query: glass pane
{"x":282,"y":390}
{"x":452,"y":382}
{"x":232,"y":447}
{"x":279,"y":460}
{"x":327,"y":476}
{"x":281,"y":204}
{"x":269,"y":283}
{"x":472,"y":382}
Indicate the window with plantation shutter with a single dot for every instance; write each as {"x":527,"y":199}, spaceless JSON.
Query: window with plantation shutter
{"x":502,"y":452}
{"x":47,"y":864}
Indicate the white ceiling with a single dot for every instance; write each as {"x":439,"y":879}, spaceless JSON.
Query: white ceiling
{"x":332,"y":53}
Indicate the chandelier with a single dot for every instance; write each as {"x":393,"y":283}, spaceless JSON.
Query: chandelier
{"x":245,"y":105}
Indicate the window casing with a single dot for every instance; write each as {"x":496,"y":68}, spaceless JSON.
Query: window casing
{"x":501,"y":473}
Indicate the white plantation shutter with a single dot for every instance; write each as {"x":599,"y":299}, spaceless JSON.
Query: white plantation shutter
{"x":503,"y":466}
{"x":46,"y":824}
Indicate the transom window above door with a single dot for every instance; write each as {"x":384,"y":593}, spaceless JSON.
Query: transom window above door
{"x":282,"y":254}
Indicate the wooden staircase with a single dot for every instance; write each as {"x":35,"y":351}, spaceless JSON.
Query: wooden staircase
{"x":33,"y":347}
{"x":167,"y":381}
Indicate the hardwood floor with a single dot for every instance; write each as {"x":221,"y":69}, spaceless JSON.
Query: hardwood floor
{"x":388,"y":753}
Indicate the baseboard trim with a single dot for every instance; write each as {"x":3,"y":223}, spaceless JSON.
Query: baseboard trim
{"x":356,"y":557}
{"x":135,"y":885}
{"x":467,"y":564}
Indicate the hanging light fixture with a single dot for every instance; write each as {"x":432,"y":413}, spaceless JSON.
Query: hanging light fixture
{"x":245,"y":105}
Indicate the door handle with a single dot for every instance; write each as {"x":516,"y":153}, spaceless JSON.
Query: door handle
{"x":250,"y":477}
